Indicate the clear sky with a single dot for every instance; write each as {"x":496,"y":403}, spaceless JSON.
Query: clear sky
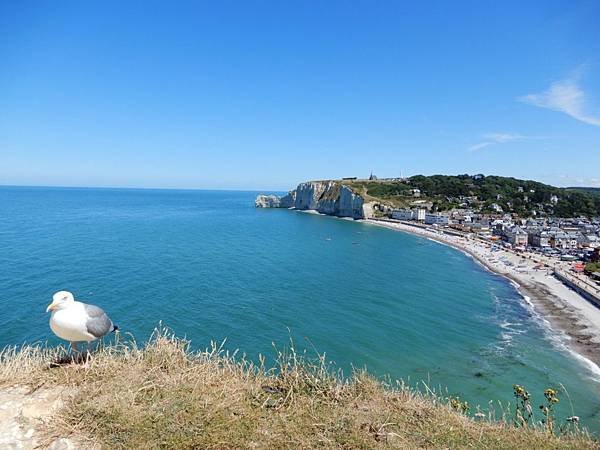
{"x":263,"y":95}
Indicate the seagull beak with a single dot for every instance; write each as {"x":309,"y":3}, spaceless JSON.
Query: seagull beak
{"x":51,"y":307}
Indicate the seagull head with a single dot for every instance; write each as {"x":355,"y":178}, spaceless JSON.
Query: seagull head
{"x":60,"y":300}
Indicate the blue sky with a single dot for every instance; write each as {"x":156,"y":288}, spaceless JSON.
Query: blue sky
{"x":263,"y":95}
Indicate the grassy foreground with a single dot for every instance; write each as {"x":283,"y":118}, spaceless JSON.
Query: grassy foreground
{"x":162,"y":395}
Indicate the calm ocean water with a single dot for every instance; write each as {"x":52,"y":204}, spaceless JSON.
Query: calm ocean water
{"x":211,"y":266}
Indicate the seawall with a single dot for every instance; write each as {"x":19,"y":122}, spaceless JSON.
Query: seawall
{"x":585,"y":292}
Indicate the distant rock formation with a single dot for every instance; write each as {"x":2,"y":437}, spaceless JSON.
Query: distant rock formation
{"x":267,"y":201}
{"x":327,"y":197}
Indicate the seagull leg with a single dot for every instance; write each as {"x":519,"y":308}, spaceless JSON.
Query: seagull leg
{"x":74,"y":352}
{"x":88,"y":357}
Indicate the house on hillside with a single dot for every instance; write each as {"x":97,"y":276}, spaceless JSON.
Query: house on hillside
{"x":496,"y":207}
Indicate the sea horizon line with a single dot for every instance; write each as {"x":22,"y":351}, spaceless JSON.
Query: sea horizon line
{"x":134,"y":188}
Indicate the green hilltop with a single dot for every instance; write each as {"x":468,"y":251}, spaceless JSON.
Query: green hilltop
{"x":482,"y":194}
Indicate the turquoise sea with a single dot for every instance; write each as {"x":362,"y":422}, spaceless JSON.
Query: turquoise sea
{"x":210,"y":266}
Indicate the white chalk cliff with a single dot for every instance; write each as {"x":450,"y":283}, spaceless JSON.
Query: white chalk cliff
{"x":267,"y":201}
{"x":327,"y":197}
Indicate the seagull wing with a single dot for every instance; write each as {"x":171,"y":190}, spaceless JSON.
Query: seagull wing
{"x":98,"y":324}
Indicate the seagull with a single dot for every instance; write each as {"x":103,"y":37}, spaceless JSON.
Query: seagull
{"x":75,"y":321}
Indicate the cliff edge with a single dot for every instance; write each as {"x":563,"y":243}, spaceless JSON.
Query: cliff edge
{"x":163,"y":395}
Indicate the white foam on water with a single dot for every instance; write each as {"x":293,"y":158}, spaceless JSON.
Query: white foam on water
{"x":507,"y":325}
{"x":560,"y":339}
{"x":557,"y":337}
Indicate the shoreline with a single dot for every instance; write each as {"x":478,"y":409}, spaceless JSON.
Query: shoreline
{"x":562,"y":308}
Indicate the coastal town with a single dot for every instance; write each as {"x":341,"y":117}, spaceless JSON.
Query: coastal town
{"x":554,"y":261}
{"x":569,"y":239}
{"x":570,"y":246}
{"x":545,"y":239}
{"x":517,"y":215}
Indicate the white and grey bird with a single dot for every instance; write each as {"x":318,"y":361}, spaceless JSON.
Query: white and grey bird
{"x":75,"y":321}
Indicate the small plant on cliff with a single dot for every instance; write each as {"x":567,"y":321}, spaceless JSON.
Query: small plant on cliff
{"x":523,"y":410}
{"x":547,"y":409}
{"x":458,"y":405}
{"x":524,"y":413}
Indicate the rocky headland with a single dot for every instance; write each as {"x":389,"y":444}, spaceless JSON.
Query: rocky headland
{"x":329,"y":197}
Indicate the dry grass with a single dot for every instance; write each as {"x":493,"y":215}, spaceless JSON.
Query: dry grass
{"x":162,"y":395}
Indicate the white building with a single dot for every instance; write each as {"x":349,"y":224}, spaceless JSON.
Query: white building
{"x":437,"y":219}
{"x":409,"y":214}
{"x":403,"y":214}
